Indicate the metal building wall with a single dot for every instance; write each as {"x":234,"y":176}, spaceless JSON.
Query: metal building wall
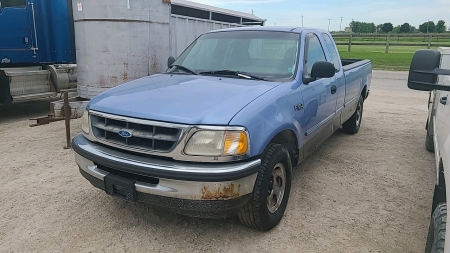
{"x":184,"y":30}
{"x":118,"y":41}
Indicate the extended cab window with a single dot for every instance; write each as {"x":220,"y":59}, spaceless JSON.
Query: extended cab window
{"x":314,"y":52}
{"x":332,"y":51}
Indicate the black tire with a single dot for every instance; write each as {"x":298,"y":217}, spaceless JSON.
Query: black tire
{"x":429,"y":142}
{"x":256,"y":213}
{"x":436,"y":232}
{"x":352,"y":125}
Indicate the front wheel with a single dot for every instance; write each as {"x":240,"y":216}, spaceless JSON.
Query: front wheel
{"x":436,"y":232}
{"x":266,"y":207}
{"x":352,"y":125}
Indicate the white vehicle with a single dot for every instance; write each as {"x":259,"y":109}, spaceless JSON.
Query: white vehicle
{"x":430,"y":71}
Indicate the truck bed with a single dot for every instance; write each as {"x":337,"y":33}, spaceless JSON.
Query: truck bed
{"x":357,"y":74}
{"x":349,"y":64}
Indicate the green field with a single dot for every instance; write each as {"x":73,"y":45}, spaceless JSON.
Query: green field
{"x":398,"y":58}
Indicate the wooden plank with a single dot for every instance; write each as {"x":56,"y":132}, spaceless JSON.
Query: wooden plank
{"x":388,"y":38}
{"x":350,"y":43}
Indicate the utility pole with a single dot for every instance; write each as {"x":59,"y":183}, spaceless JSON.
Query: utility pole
{"x":340,"y":27}
{"x":302,"y":20}
{"x":428,"y":26}
{"x":329,"y":21}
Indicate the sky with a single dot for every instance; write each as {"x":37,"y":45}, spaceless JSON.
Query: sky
{"x":316,"y":13}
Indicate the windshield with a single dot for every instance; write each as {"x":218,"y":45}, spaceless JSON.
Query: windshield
{"x":264,"y":54}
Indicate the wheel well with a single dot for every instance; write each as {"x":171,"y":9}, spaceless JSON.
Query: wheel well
{"x":288,"y":139}
{"x":364,"y":92}
{"x":439,"y":195}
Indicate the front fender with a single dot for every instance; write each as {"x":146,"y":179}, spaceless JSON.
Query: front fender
{"x":271,"y":114}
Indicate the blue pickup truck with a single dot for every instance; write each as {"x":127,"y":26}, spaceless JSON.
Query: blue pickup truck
{"x":219,"y":133}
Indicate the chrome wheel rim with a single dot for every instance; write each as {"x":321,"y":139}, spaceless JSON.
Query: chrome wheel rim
{"x":277,"y":187}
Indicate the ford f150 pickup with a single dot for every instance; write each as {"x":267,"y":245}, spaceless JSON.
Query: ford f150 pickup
{"x":426,"y":66}
{"x":218,"y":134}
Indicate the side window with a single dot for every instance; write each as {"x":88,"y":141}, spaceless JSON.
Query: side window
{"x":332,"y":51}
{"x":314,"y":52}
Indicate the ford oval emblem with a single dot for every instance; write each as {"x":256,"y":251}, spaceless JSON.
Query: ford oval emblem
{"x":125,"y":133}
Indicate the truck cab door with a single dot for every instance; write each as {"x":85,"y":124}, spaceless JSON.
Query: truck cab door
{"x":442,"y":120}
{"x":16,"y":25}
{"x":339,"y":77}
{"x":319,"y":95}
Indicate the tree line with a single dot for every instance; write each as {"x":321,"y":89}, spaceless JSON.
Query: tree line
{"x":426,"y":27}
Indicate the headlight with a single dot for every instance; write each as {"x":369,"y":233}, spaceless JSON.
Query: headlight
{"x":85,"y":122}
{"x":236,"y":143}
{"x":217,"y":143}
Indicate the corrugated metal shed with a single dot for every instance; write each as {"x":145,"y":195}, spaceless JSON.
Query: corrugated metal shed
{"x":184,"y":30}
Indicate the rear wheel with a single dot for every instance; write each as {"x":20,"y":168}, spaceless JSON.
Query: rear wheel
{"x":352,"y":125}
{"x":266,"y":207}
{"x":436,"y":232}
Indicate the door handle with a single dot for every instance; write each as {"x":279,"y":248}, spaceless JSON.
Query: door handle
{"x":443,"y":100}
{"x":333,"y":89}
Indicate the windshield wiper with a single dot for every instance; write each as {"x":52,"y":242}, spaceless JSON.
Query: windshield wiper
{"x":184,"y":68}
{"x":233,"y":73}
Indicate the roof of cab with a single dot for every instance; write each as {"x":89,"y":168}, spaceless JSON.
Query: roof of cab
{"x":269,"y":28}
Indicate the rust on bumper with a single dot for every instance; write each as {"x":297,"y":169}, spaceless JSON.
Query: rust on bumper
{"x":223,"y":192}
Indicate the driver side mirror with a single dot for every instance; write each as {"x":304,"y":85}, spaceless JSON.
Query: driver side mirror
{"x":170,"y":61}
{"x":320,"y":69}
{"x":424,"y":71}
{"x":323,"y":69}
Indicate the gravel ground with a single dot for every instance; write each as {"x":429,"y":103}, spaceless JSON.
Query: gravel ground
{"x":371,"y":192}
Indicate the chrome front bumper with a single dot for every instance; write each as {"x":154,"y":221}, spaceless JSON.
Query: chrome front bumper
{"x":185,"y":181}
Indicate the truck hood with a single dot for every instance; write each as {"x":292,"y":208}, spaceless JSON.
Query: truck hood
{"x":186,"y":99}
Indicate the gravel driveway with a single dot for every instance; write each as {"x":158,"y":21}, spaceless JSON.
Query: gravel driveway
{"x":371,"y":192}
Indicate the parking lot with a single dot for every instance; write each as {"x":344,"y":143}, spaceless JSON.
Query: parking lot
{"x":371,"y":192}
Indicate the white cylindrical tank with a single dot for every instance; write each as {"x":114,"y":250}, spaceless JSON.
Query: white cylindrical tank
{"x":118,"y":41}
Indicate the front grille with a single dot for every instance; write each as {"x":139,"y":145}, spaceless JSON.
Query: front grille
{"x":143,"y":137}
